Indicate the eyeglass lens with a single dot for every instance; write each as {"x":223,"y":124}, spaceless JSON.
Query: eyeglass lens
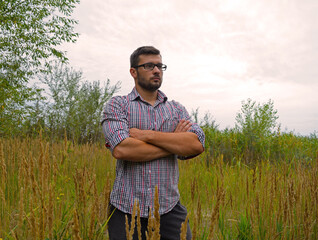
{"x":151,"y":66}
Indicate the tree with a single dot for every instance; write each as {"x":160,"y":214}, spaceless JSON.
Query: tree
{"x":30,"y":32}
{"x":75,"y":105}
{"x":256,"y":123}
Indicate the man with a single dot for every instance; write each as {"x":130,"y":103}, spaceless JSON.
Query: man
{"x":146,"y":133}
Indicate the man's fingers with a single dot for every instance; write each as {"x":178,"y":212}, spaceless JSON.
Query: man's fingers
{"x":134,"y":132}
{"x":141,"y":135}
{"x":187,"y":125}
{"x":183,"y":126}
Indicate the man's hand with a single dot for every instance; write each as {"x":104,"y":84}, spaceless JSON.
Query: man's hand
{"x":144,"y":135}
{"x":141,"y":135}
{"x":180,"y":142}
{"x":183,"y":126}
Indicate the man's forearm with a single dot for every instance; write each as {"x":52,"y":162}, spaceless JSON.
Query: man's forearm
{"x":180,"y":143}
{"x":136,"y":150}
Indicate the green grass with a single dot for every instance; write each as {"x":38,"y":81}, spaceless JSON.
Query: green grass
{"x":44,"y":183}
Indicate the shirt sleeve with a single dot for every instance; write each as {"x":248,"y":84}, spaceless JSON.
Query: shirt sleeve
{"x":195,"y":128}
{"x":114,"y":122}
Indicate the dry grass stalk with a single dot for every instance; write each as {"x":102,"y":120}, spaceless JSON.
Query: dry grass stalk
{"x":76,"y":228}
{"x":221,"y":164}
{"x":65,"y":140}
{"x":105,"y":204}
{"x":138,"y":221}
{"x":308,"y":222}
{"x":193,"y":188}
{"x":260,"y":172}
{"x":51,"y":211}
{"x":215,"y":214}
{"x":21,"y":177}
{"x":15,"y":235}
{"x":42,"y":222}
{"x":35,"y":186}
{"x":257,"y":205}
{"x":195,"y":226}
{"x":131,"y":230}
{"x":184,"y":227}
{"x":55,"y":169}
{"x":68,"y":226}
{"x":40,"y":164}
{"x":156,"y":215}
{"x":254,"y":179}
{"x":284,"y":209}
{"x":128,"y":237}
{"x":94,"y":211}
{"x":21,"y":211}
{"x":33,"y":221}
{"x":79,"y":180}
{"x":247,"y":187}
{"x":45,"y":170}
{"x":150,"y":227}
{"x":272,"y":193}
{"x":291,"y":193}
{"x":3,"y":202}
{"x":199,"y":212}
{"x":27,"y":182}
{"x":3,"y":168}
{"x":133,"y":220}
{"x":64,"y":153}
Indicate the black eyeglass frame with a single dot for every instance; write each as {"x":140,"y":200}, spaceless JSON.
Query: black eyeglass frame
{"x":160,"y":66}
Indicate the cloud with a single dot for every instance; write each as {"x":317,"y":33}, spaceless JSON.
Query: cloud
{"x":218,"y":52}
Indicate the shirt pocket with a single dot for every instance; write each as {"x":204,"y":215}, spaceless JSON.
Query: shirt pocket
{"x":169,"y":124}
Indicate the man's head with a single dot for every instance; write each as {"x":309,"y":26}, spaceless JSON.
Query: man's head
{"x":145,"y":50}
{"x":146,"y":68}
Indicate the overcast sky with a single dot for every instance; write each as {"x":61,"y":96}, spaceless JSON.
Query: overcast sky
{"x":218,"y":53}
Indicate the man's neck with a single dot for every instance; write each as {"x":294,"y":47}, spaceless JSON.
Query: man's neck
{"x":148,"y":96}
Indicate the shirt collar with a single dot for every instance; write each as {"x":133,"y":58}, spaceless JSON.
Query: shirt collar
{"x":134,"y":95}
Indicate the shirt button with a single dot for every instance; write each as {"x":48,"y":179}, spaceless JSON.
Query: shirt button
{"x":149,"y":171}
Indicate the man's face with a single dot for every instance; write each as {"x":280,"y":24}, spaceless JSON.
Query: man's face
{"x":149,"y":80}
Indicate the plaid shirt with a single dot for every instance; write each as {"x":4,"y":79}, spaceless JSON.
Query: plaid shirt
{"x":137,"y":180}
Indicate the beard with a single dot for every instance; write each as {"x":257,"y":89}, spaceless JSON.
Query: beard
{"x":148,"y":85}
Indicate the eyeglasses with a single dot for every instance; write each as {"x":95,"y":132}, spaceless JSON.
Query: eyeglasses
{"x":150,"y":66}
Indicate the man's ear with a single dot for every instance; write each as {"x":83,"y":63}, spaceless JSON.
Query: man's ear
{"x":133,"y":72}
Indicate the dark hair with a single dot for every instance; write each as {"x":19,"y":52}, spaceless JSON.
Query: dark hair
{"x":145,"y":50}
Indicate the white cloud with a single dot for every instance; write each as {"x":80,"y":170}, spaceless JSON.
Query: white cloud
{"x":218,"y":52}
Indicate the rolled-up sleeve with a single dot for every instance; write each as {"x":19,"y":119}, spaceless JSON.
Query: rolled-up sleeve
{"x":195,"y":128}
{"x":114,"y":122}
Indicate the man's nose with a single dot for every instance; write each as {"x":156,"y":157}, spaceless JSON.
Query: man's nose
{"x":156,"y":69}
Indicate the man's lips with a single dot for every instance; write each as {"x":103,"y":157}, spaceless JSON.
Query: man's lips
{"x":156,"y":78}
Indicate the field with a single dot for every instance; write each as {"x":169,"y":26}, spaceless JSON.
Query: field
{"x":60,"y":190}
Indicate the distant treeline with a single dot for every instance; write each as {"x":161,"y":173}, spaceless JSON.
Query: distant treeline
{"x":256,"y":136}
{"x":64,"y":104}
{"x":251,"y":146}
{"x":70,"y":107}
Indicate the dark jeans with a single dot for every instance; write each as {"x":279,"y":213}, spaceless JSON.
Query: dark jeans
{"x":170,"y":224}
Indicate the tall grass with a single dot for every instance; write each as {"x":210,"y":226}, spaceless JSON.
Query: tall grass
{"x":54,"y":190}
{"x":266,"y":201}
{"x":60,"y":190}
{"x":278,"y":146}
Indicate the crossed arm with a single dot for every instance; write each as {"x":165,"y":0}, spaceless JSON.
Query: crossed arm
{"x":147,"y":145}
